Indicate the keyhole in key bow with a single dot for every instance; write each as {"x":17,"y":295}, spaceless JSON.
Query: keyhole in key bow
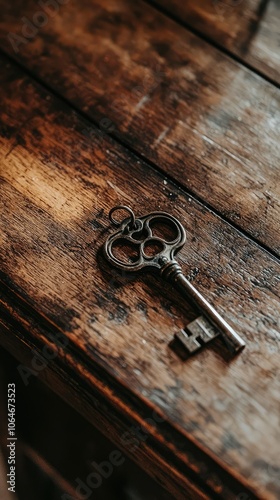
{"x":167,"y":231}
{"x":125,"y":252}
{"x":152,"y":248}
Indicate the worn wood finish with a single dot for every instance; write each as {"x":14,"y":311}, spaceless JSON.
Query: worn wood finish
{"x":202,"y":118}
{"x":221,"y":417}
{"x":91,"y":392}
{"x":248,"y":29}
{"x":46,"y":423}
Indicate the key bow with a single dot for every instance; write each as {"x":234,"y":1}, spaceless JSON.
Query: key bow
{"x":151,"y":250}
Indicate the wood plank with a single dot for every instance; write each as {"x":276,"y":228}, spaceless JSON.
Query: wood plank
{"x":91,"y":396}
{"x":200,"y":117}
{"x":221,"y":416}
{"x":249,"y":29}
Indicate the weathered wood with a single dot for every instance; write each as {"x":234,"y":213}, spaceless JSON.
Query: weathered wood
{"x":202,"y":118}
{"x":248,"y":29}
{"x":89,"y":392}
{"x":221,"y":416}
{"x":66,"y":441}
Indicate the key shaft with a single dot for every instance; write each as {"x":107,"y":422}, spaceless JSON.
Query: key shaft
{"x":172,"y":272}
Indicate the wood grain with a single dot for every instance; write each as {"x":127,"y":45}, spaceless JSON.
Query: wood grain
{"x":248,"y":29}
{"x":65,"y":441}
{"x":201,"y":118}
{"x":59,"y":177}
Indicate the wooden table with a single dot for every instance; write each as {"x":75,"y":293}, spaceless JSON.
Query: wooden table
{"x":159,"y":105}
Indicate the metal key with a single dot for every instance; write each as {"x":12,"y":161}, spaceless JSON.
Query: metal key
{"x":153,"y":252}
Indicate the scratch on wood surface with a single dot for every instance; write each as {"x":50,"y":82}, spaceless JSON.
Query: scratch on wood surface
{"x":161,"y":136}
{"x":218,"y":146}
{"x":118,"y":190}
{"x":142,"y":102}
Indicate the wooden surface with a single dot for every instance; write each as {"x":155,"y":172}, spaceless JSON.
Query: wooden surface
{"x":57,"y":185}
{"x":200,"y":117}
{"x":46,"y":422}
{"x":62,"y":167}
{"x":248,"y":29}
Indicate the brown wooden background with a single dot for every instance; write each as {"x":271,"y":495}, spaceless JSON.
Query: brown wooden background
{"x":159,"y":106}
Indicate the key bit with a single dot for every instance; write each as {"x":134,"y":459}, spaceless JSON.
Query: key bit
{"x":196,"y":334}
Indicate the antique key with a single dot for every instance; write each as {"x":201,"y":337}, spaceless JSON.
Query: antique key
{"x":153,"y":252}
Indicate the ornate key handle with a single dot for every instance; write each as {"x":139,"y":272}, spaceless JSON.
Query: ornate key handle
{"x":140,"y":234}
